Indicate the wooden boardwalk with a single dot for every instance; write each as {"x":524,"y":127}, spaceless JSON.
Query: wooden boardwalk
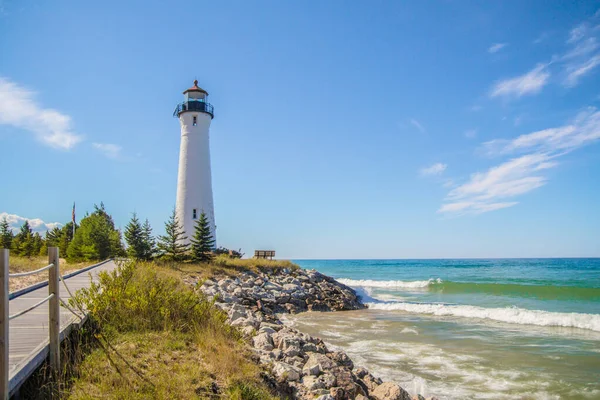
{"x":28,"y":336}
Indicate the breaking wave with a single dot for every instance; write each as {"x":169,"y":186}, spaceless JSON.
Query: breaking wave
{"x":512,"y":315}
{"x":542,"y":292}
{"x":388,"y":284}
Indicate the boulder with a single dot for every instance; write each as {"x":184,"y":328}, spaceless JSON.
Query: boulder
{"x":371,"y":382}
{"x":325,"y":397}
{"x":263,"y":341}
{"x":324,"y":362}
{"x":390,"y":391}
{"x":286,"y":372}
{"x":342,"y":359}
{"x":311,"y":369}
{"x":313,"y":383}
{"x":237,"y":311}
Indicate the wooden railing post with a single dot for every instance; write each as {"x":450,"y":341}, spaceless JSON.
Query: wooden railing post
{"x":54,"y":310}
{"x":4,"y":324}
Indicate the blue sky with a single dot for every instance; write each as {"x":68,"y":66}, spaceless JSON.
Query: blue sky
{"x":342,"y":129}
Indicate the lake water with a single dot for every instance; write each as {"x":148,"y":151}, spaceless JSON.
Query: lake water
{"x":471,"y":329}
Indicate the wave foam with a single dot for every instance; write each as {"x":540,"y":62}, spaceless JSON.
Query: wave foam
{"x":512,"y":315}
{"x":388,"y":284}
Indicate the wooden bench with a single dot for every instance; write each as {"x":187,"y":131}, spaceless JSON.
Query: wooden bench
{"x":264,"y":254}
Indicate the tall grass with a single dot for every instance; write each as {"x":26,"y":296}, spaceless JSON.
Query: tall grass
{"x":158,"y":339}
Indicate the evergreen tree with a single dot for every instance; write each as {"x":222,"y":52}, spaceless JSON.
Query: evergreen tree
{"x":53,"y":236}
{"x":172,"y":245}
{"x":202,"y":243}
{"x":6,"y":235}
{"x":65,"y":237}
{"x":134,"y":236}
{"x":37,"y":243}
{"x":148,"y":240}
{"x":22,"y":244}
{"x":96,"y":238}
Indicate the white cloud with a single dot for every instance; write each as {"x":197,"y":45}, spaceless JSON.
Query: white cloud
{"x":584,"y":129}
{"x":576,"y":71}
{"x":497,"y":187}
{"x":470,"y":133}
{"x":435,"y":169}
{"x":530,"y":83}
{"x":475,"y":108}
{"x":18,"y":108}
{"x":582,"y":49}
{"x":418,"y":125}
{"x":36,"y":224}
{"x":578,"y":32}
{"x":108,"y":149}
{"x":582,"y":56}
{"x":496,"y":47}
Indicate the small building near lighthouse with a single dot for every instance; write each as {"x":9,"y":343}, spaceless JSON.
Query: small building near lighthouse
{"x":194,"y":181}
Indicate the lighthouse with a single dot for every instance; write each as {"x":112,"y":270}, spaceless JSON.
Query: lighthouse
{"x":194,"y":183}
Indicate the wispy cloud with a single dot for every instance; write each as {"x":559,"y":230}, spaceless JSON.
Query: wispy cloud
{"x":110,"y":150}
{"x":18,"y":108}
{"x":496,"y":47}
{"x":418,"y":125}
{"x":582,"y":56}
{"x":578,"y":32}
{"x":532,"y":154}
{"x":36,"y":224}
{"x":576,"y":71}
{"x":471,"y":133}
{"x":584,"y":129}
{"x":530,"y":83}
{"x":475,"y":108}
{"x":435,"y":169}
{"x":543,"y":36}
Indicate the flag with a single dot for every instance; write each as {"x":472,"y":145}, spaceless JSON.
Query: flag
{"x":73,"y":218}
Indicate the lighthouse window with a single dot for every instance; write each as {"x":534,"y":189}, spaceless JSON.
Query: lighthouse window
{"x":194,"y":211}
{"x":195,"y":121}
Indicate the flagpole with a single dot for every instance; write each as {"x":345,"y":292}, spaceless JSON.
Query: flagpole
{"x":73,"y":219}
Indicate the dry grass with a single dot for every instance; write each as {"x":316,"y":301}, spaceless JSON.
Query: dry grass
{"x":224,"y":266}
{"x":176,"y":343}
{"x":24,"y":264}
{"x":176,"y":366}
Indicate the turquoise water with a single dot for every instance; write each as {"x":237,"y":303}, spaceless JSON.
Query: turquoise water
{"x":497,"y":328}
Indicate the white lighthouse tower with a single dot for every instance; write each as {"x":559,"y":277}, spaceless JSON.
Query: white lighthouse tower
{"x":194,"y":183}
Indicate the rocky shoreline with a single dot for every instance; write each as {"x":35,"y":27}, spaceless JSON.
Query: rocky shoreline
{"x":301,"y":366}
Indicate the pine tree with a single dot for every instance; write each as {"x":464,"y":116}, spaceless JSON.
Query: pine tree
{"x":65,"y":236}
{"x":134,"y":236}
{"x":172,"y":245}
{"x":148,"y":241}
{"x":36,"y":244}
{"x":96,"y":238}
{"x":6,"y":235}
{"x":202,"y":243}
{"x":23,"y":244}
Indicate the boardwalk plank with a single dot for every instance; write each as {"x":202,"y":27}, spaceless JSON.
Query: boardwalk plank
{"x":28,"y":334}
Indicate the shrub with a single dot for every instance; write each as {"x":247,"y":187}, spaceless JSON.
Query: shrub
{"x":135,"y":297}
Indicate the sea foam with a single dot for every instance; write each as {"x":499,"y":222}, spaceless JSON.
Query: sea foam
{"x":388,"y":284}
{"x":511,"y":315}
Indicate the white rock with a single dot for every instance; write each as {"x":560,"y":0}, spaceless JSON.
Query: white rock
{"x":390,"y":391}
{"x":263,"y":341}
{"x":236,"y":312}
{"x":311,"y":369}
{"x":325,"y":397}
{"x":286,"y":371}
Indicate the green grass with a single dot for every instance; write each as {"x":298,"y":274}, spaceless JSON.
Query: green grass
{"x":158,"y":339}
